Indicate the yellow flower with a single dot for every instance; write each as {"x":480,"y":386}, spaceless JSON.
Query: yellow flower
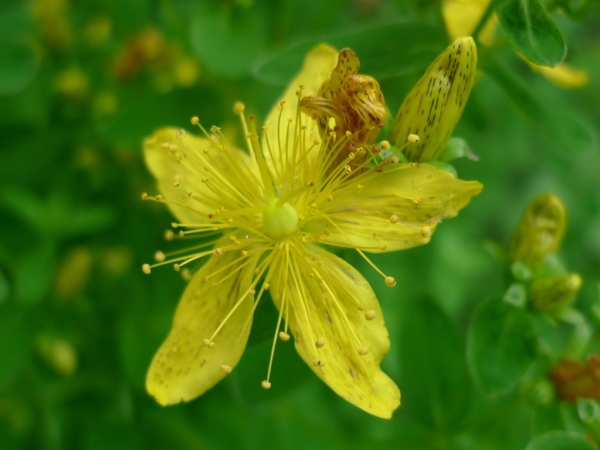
{"x":264,"y":215}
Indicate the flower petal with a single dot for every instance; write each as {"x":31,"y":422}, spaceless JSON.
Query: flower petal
{"x":462,"y":16}
{"x":184,"y":367}
{"x":334,"y":314}
{"x":179,"y":171}
{"x":397,"y":209}
{"x":434,"y":106}
{"x":318,"y":64}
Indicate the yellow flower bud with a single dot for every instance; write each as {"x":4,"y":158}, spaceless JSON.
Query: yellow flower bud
{"x":549,"y":294}
{"x":434,"y":106}
{"x":540,"y":231}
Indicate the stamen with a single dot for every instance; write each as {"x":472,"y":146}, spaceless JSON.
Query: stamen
{"x":195,"y":120}
{"x":394,"y":218}
{"x":159,"y":256}
{"x":413,"y":138}
{"x":208,"y":342}
{"x":390,"y":281}
{"x":226,"y":369}
{"x":284,"y":336}
{"x":363,"y":351}
{"x":266,"y":384}
{"x":320,"y":343}
{"x":370,"y":314}
{"x":146,"y":269}
{"x":426,"y":231}
{"x":318,"y":363}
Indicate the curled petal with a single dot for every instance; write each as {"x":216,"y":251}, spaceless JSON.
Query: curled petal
{"x":181,"y":161}
{"x":185,"y":367}
{"x":397,"y":209}
{"x":338,"y":327}
{"x":434,"y":106}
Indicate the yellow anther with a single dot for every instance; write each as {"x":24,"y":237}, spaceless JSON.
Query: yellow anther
{"x":195,"y":120}
{"x":208,"y":343}
{"x":226,"y":369}
{"x":181,"y":233}
{"x":363,"y":351}
{"x":330,"y":198}
{"x":180,"y":134}
{"x":169,"y":235}
{"x":165,"y":145}
{"x":244,"y":253}
{"x":266,"y":286}
{"x":145,"y":196}
{"x":266,"y":384}
{"x":348,"y":169}
{"x":239,"y":108}
{"x":351,"y":156}
{"x":417,"y":200}
{"x":385,"y":145}
{"x":284,"y":336}
{"x":159,"y":256}
{"x":331,"y":123}
{"x":217,"y":251}
{"x":146,"y":269}
{"x":360,"y":187}
{"x":320,"y":343}
{"x":158,"y":198}
{"x":426,"y":231}
{"x":390,"y":281}
{"x":176,"y":267}
{"x":413,"y":138}
{"x":173,"y":147}
{"x":186,"y":274}
{"x":370,"y":314}
{"x":348,"y":133}
{"x":394,"y":218}
{"x":318,"y":363}
{"x":176,"y":184}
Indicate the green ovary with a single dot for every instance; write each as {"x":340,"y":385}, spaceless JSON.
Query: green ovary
{"x":280,"y":220}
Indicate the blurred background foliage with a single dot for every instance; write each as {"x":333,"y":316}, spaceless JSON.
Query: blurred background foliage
{"x":83,"y":82}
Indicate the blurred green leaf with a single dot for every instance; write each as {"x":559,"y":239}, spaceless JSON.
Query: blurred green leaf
{"x":435,"y":385}
{"x":377,"y":47}
{"x":18,"y":66}
{"x":559,"y":440}
{"x":228,"y":39}
{"x":15,"y":343}
{"x":531,"y":31}
{"x":499,"y":345}
{"x":589,"y":413}
{"x":567,"y":131}
{"x":34,"y":273}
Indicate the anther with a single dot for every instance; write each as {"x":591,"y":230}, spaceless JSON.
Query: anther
{"x":426,"y":231}
{"x":176,"y":184}
{"x":318,"y":363}
{"x":176,"y":267}
{"x":217,"y":251}
{"x":348,"y":169}
{"x":159,"y":256}
{"x":169,"y":235}
{"x":238,"y":108}
{"x":363,"y":351}
{"x":266,"y":286}
{"x":173,"y":147}
{"x":158,"y":198}
{"x":320,"y":343}
{"x":385,"y":145}
{"x":394,"y":218}
{"x":284,"y":336}
{"x":417,"y":200}
{"x":360,"y":187}
{"x":413,"y":138}
{"x":186,"y":274}
{"x":390,"y":281}
{"x":208,"y":343}
{"x":244,"y":253}
{"x":181,"y":233}
{"x":195,"y":120}
{"x":145,"y":196}
{"x":180,"y":134}
{"x":146,"y":269}
{"x":370,"y":314}
{"x":266,"y":384}
{"x":226,"y":369}
{"x":165,"y":145}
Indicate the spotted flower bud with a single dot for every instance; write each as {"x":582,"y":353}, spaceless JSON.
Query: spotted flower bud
{"x":434,"y":106}
{"x":549,"y":294}
{"x":540,"y":231}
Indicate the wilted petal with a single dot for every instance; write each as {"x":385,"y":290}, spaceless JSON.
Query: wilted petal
{"x":334,"y":316}
{"x":178,"y":162}
{"x":184,"y":367}
{"x":397,"y":209}
{"x":434,"y":106}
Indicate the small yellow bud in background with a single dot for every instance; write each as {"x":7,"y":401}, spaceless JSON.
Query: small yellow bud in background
{"x":58,"y":353}
{"x":540,"y":231}
{"x":432,"y":109}
{"x":551,"y":293}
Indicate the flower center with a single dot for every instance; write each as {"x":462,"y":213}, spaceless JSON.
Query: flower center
{"x":279,"y":220}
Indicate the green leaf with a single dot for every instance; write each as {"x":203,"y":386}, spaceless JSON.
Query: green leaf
{"x":531,"y":31}
{"x":567,"y":131}
{"x":377,"y":47}
{"x":559,"y":440}
{"x":15,"y":343}
{"x":18,"y":66}
{"x":434,"y":380}
{"x":228,"y":39}
{"x":499,"y":345}
{"x":589,"y":413}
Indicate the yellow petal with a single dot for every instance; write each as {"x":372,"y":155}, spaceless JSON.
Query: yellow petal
{"x":462,"y":16}
{"x":563,"y":75}
{"x":397,"y":209}
{"x":434,"y":106}
{"x":178,"y":162}
{"x":318,"y":64}
{"x":338,"y":327}
{"x":184,"y":367}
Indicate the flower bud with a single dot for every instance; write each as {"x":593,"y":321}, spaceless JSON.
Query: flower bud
{"x":551,"y":293}
{"x":573,"y":379}
{"x":434,"y":106}
{"x":540,"y":231}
